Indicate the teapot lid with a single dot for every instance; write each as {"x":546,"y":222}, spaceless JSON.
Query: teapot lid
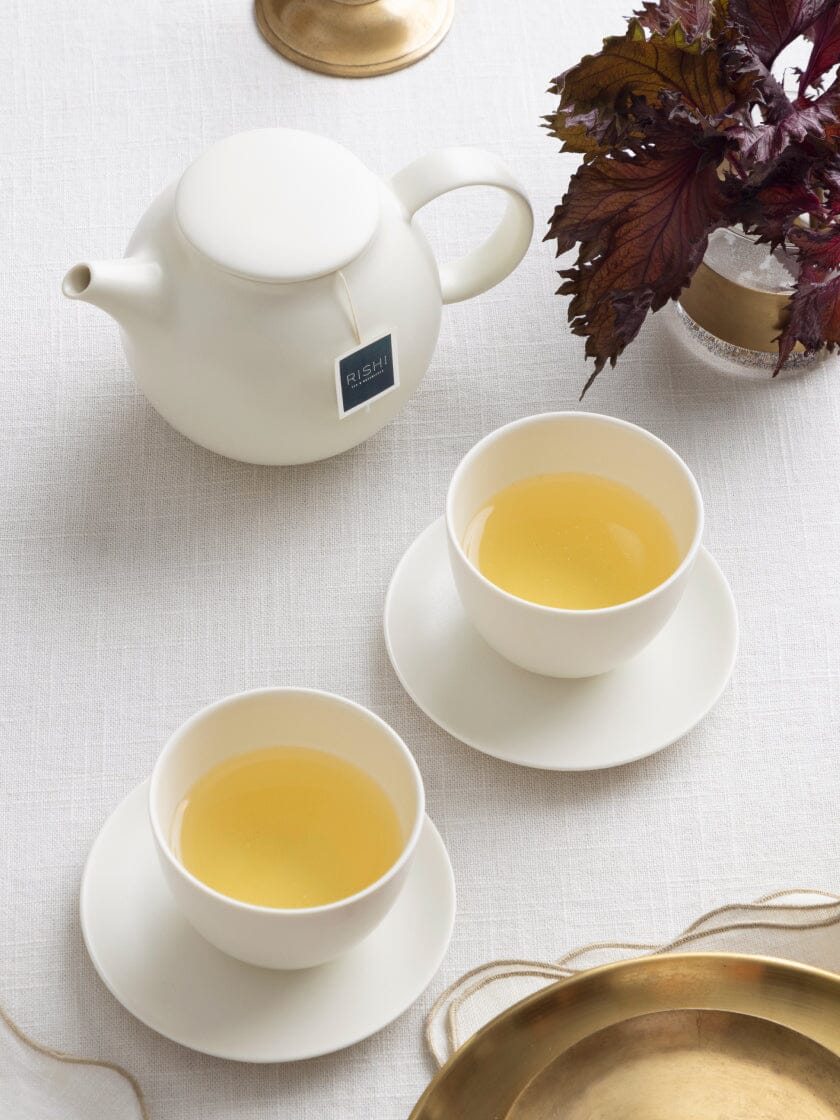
{"x":278,"y":205}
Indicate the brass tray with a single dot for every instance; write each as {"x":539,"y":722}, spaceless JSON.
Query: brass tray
{"x":694,"y":1036}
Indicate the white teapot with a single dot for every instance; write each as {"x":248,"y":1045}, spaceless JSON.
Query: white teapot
{"x":276,"y":303}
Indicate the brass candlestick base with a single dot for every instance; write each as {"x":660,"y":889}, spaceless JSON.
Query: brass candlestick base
{"x":354,"y":38}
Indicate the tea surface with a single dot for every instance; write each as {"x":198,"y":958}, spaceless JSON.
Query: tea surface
{"x":287,"y":827}
{"x":577,"y":541}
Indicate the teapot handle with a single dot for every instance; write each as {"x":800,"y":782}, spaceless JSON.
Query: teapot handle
{"x":448,"y":169}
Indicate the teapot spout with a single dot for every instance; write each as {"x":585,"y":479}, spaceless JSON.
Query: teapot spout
{"x":124,"y":289}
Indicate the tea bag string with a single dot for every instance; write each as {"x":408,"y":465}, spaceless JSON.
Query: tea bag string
{"x":352,"y":307}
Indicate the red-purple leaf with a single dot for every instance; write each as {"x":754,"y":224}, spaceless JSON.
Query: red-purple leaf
{"x":825,"y":53}
{"x":695,"y":16}
{"x":819,"y":251}
{"x":578,"y":131}
{"x":828,"y":106}
{"x":771,"y":25}
{"x":814,"y":319}
{"x":684,"y":128}
{"x":829,"y":182}
{"x":772,"y":211}
{"x":647,"y":68}
{"x":642,"y":222}
{"x":790,"y":123}
{"x":822,"y":150}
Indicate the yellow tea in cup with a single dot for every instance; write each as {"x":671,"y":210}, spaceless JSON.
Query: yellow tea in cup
{"x":576,"y":541}
{"x":287,"y":827}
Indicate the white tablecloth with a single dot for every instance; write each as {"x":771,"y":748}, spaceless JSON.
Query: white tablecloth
{"x":141,"y":577}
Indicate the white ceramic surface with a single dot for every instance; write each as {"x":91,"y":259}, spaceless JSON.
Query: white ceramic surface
{"x":488,"y":703}
{"x":247,"y":279}
{"x":278,"y":205}
{"x":175,"y":982}
{"x":571,"y":643}
{"x":300,"y":717}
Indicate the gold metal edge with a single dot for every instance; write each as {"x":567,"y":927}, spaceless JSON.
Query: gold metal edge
{"x":360,"y":69}
{"x":617,"y":980}
{"x":742,"y":316}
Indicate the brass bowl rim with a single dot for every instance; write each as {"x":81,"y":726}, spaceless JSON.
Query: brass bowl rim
{"x":587,"y":976}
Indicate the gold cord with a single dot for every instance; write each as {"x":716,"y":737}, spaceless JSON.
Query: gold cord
{"x":462,"y":990}
{"x":72,"y":1059}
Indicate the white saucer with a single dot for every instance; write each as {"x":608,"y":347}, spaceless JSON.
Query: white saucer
{"x":476,"y":695}
{"x":175,"y":982}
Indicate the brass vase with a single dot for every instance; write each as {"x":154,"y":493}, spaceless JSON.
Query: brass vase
{"x":736,"y":306}
{"x":354,"y":38}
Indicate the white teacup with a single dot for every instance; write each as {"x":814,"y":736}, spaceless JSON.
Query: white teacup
{"x":550,"y":640}
{"x":276,"y":938}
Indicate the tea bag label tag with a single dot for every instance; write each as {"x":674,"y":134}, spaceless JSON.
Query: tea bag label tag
{"x":365,"y":373}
